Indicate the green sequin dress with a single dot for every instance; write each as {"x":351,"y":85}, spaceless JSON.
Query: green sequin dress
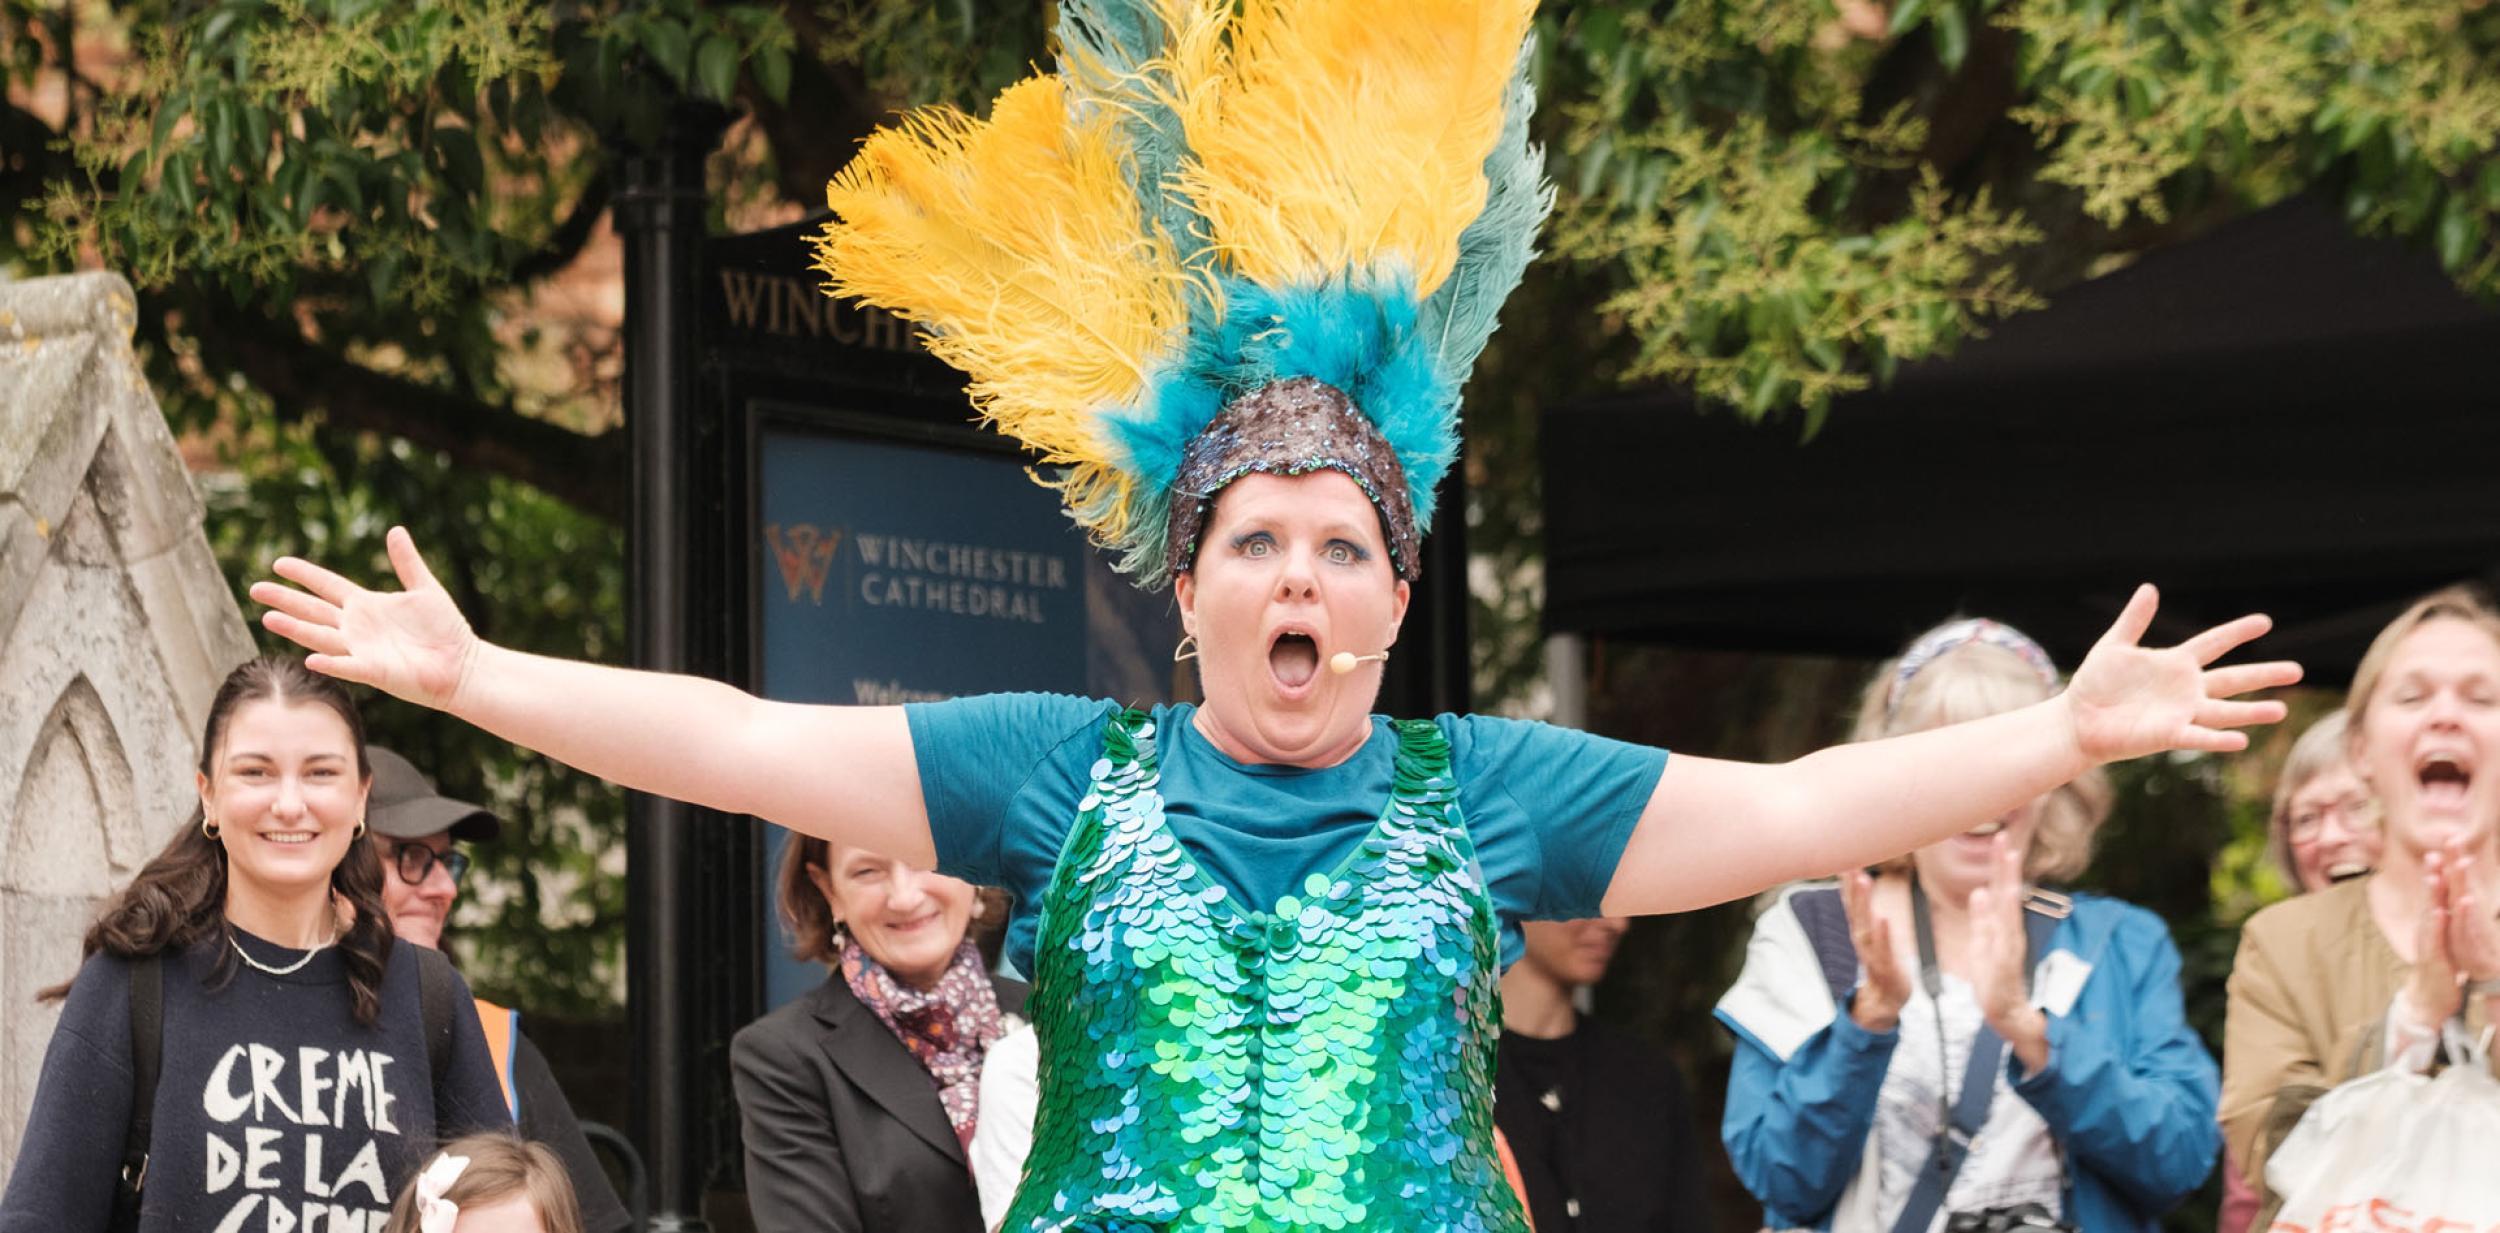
{"x":1326,"y":1065}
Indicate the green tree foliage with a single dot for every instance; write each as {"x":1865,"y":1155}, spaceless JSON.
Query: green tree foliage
{"x":1785,"y":200}
{"x":337,"y":215}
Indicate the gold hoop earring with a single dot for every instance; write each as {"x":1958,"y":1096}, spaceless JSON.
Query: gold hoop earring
{"x":208,"y":828}
{"x":1188,"y":649}
{"x":360,"y":828}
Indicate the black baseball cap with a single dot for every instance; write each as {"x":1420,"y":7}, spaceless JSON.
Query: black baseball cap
{"x":404,"y":805}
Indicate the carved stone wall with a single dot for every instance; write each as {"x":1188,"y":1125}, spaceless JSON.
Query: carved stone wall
{"x":115,"y":628}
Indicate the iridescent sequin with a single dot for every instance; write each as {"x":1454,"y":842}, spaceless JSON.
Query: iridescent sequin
{"x":1292,"y":427}
{"x":1327,"y":1064}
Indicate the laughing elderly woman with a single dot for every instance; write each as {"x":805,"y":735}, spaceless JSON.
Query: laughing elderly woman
{"x":1226,"y":272}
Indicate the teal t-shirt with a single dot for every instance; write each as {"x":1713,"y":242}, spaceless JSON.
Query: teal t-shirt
{"x":1549,"y":809}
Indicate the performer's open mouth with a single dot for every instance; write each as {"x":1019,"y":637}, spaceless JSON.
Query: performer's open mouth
{"x":1293,"y":658}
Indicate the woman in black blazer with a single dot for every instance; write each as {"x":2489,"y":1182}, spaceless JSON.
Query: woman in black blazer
{"x":857,"y":1099}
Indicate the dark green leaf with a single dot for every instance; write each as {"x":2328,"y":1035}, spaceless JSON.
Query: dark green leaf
{"x":1765,"y":393}
{"x":255,"y":139}
{"x":461,"y":160}
{"x":772,"y":72}
{"x":665,"y":39}
{"x":1906,"y":15}
{"x":1952,"y":35}
{"x":716,"y":67}
{"x":168,"y":114}
{"x":221,"y":126}
{"x":383,"y":276}
{"x":2460,"y":232}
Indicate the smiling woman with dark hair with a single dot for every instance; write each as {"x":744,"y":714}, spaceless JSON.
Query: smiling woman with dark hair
{"x":292,"y":1077}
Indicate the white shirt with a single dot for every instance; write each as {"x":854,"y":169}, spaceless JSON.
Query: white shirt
{"x":1010,"y":1093}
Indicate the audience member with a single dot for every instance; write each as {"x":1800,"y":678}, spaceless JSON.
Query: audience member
{"x":2361,"y":975}
{"x":1596,"y":1118}
{"x":1943,"y":1038}
{"x":244,"y":1044}
{"x":2324,"y":829}
{"x":488,"y":1183}
{"x":859,"y":1098}
{"x":414,"y":828}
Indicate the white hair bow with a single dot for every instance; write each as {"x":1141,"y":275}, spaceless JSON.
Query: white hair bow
{"x":436,"y":1214}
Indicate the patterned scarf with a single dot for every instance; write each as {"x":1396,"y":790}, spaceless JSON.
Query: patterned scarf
{"x":948,"y":1027}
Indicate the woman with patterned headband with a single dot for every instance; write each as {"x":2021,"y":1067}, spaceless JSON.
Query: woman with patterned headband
{"x":1225,"y":273}
{"x":1940,"y":1036}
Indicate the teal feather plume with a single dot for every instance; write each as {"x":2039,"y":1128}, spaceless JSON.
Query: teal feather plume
{"x":1494,"y":250}
{"x":1122,"y":63}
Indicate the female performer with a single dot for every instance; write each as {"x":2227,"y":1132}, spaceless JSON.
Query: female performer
{"x":1226,"y":273}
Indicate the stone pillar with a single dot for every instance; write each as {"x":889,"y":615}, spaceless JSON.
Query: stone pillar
{"x":115,"y":628}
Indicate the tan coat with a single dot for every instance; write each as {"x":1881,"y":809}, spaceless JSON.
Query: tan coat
{"x":2309,"y":998}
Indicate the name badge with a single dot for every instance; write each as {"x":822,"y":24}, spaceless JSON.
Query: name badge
{"x":2058,"y":981}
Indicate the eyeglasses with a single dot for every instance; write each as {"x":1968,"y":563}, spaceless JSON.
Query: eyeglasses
{"x":416,"y":863}
{"x":2355,"y":812}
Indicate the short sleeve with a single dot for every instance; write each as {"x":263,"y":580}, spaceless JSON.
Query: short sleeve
{"x":1551,"y":808}
{"x":975,"y":755}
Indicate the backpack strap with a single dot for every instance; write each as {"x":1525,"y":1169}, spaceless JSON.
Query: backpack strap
{"x":1968,"y":1113}
{"x":1826,"y":922}
{"x":147,"y":1056}
{"x":434,"y":1001}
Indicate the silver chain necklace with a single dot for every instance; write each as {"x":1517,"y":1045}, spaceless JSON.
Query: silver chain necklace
{"x":288,"y":970}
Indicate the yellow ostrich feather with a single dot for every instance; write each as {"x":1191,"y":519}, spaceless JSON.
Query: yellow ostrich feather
{"x":1346,"y":137}
{"x":1016,"y":242}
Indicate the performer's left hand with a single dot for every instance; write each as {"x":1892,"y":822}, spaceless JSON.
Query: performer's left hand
{"x":2128,"y":700}
{"x":1998,"y":951}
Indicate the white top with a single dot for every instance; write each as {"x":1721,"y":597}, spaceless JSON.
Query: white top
{"x":2013,"y":1159}
{"x":1011,"y":1082}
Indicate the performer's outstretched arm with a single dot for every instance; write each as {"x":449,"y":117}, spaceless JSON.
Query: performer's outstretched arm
{"x":842,"y":773}
{"x":1716,"y":830}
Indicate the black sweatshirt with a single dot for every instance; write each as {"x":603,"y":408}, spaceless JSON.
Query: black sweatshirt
{"x":276,"y":1112}
{"x":1602,"y":1131}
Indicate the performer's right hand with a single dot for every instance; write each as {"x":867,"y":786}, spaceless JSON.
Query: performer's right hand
{"x":412,"y":644}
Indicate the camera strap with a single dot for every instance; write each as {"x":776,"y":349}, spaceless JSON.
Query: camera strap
{"x":1962,"y":1113}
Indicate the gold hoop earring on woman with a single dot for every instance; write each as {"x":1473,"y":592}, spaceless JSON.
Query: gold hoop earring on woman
{"x":1188,"y":649}
{"x":360,"y":828}
{"x":208,"y":828}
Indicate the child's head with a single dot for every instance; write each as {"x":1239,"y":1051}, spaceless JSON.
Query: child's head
{"x":488,"y":1183}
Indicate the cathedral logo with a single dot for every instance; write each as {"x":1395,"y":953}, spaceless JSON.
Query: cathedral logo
{"x":805,"y":553}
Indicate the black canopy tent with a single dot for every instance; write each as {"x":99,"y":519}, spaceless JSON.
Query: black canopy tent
{"x":2280,"y":416}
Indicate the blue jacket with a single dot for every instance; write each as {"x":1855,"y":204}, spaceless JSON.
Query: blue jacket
{"x":2129,"y":1091}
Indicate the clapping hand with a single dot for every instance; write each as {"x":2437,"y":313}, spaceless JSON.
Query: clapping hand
{"x":2457,"y":939}
{"x":1884,"y":987}
{"x":2128,"y":700}
{"x":1999,"y":949}
{"x":411,"y":643}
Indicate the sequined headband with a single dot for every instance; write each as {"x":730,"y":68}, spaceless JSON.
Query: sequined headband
{"x":1292,"y":427}
{"x":1953,"y":635}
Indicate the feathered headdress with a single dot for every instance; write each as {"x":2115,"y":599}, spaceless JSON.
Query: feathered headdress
{"x":1227,"y":236}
